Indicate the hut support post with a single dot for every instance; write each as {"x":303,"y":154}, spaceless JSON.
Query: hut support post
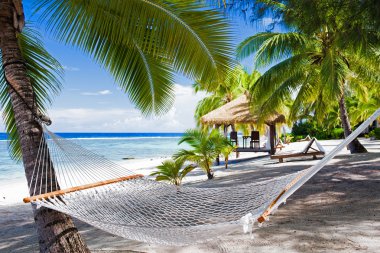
{"x":272,"y":138}
{"x":237,"y":141}
{"x":217,"y":161}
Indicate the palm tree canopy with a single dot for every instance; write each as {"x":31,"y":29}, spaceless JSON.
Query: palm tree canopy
{"x":234,"y":85}
{"x":317,"y":62}
{"x":143,"y":42}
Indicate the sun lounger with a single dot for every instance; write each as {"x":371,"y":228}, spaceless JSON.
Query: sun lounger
{"x":309,"y":150}
{"x":280,"y":145}
{"x":307,"y":138}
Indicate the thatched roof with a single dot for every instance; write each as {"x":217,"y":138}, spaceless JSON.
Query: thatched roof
{"x":237,"y":111}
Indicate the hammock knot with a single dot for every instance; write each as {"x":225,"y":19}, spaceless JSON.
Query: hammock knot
{"x":247,"y":221}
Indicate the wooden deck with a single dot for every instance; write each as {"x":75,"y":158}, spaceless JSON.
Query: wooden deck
{"x":240,"y":149}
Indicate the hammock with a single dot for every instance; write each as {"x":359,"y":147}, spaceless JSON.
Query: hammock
{"x":112,"y":198}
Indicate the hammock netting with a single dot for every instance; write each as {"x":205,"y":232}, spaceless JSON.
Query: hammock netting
{"x":150,"y":211}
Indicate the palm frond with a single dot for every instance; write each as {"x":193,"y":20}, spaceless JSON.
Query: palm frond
{"x":275,"y":102}
{"x":270,"y":47}
{"x":177,"y":34}
{"x":334,"y":71}
{"x":45,"y":74}
{"x":252,"y":44}
{"x":277,"y":75}
{"x":147,"y":80}
{"x":207,"y":105}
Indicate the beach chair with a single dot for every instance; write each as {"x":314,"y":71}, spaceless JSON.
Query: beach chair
{"x":234,"y":138}
{"x":307,"y":138}
{"x":309,"y":150}
{"x":255,"y":139}
{"x":280,"y":145}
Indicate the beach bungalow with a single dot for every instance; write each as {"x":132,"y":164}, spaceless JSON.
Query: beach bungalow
{"x":238,"y":111}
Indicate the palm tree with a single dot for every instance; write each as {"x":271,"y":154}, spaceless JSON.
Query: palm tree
{"x":238,"y":82}
{"x":320,"y":62}
{"x":206,"y":147}
{"x":141,"y":43}
{"x":227,"y":149}
{"x":172,"y":171}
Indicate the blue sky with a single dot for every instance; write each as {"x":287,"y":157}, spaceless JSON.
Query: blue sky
{"x":91,"y":102}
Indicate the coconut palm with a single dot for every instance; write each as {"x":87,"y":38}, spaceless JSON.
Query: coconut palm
{"x":320,"y":62}
{"x":206,"y":147}
{"x":172,"y":171}
{"x":140,"y":43}
{"x":238,"y":82}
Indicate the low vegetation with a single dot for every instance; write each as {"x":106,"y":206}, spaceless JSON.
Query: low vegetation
{"x":205,"y":148}
{"x":172,"y":171}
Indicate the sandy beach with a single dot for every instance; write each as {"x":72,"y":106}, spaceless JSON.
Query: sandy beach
{"x":338,"y":210}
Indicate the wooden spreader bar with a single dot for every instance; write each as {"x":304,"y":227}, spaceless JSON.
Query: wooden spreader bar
{"x":79,"y":188}
{"x":268,"y":211}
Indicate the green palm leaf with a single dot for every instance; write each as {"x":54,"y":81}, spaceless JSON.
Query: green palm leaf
{"x":178,"y":35}
{"x":270,"y":47}
{"x":45,"y":74}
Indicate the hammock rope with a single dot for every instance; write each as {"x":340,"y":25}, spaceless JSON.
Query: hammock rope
{"x":112,"y":198}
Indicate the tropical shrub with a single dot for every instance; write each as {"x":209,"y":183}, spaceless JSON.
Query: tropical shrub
{"x":301,"y":130}
{"x":206,"y":147}
{"x":375,"y":133}
{"x":337,"y":133}
{"x":172,"y":171}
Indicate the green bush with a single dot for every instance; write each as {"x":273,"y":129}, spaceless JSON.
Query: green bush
{"x":301,"y":130}
{"x":337,"y":133}
{"x":377,"y":133}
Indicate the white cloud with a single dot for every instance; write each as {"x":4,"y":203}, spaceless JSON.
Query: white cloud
{"x":97,"y":93}
{"x":70,"y":68}
{"x":178,"y":119}
{"x":105,"y":92}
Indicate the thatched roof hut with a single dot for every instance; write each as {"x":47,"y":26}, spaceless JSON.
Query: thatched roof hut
{"x":238,"y":111}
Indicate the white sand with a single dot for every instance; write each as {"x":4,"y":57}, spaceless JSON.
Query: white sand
{"x":337,"y":211}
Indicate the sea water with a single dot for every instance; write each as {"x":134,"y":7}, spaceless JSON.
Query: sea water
{"x":132,"y":150}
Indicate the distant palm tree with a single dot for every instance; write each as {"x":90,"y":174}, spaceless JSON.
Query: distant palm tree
{"x":172,"y":171}
{"x":142,"y":43}
{"x":206,"y":147}
{"x":238,"y":82}
{"x":320,"y":65}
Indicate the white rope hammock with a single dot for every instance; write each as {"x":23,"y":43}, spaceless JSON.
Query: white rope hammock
{"x":112,"y":198}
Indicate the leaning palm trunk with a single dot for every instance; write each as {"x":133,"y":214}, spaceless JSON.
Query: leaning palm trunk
{"x":355,"y":146}
{"x":56,"y":231}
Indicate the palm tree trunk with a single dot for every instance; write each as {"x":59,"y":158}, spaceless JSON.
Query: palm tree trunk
{"x":355,"y":146}
{"x":217,"y":160}
{"x":209,"y":173}
{"x":56,"y":231}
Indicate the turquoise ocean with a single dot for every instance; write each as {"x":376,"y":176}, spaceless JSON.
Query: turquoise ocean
{"x":113,"y":146}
